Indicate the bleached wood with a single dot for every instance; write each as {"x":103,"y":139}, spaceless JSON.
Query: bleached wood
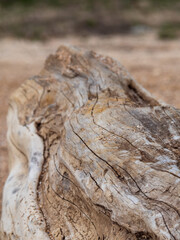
{"x":92,"y":155}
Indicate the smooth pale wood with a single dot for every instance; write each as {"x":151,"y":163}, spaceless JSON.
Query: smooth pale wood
{"x":92,"y":155}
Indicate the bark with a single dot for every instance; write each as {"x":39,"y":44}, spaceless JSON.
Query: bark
{"x":92,"y":155}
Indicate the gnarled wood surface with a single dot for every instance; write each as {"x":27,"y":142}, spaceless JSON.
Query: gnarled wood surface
{"x":91,"y":154}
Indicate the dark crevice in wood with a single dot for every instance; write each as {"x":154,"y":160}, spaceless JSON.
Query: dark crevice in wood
{"x":135,"y":96}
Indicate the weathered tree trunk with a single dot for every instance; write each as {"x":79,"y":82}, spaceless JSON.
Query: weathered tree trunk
{"x":92,"y":155}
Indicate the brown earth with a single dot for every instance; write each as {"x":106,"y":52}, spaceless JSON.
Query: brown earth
{"x":154,"y":63}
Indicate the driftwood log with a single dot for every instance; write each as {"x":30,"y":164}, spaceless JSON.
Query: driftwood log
{"x":92,"y":155}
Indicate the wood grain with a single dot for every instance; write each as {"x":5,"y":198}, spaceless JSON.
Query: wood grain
{"x":92,"y":155}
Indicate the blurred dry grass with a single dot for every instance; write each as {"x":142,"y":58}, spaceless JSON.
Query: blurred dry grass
{"x":40,"y":20}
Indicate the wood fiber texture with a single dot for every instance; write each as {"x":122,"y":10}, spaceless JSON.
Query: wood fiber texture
{"x":92,"y":155}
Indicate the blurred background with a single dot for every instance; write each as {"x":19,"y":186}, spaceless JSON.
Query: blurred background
{"x":44,"y":19}
{"x":144,"y":35}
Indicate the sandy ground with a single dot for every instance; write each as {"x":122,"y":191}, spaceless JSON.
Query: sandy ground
{"x":155,"y":64}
